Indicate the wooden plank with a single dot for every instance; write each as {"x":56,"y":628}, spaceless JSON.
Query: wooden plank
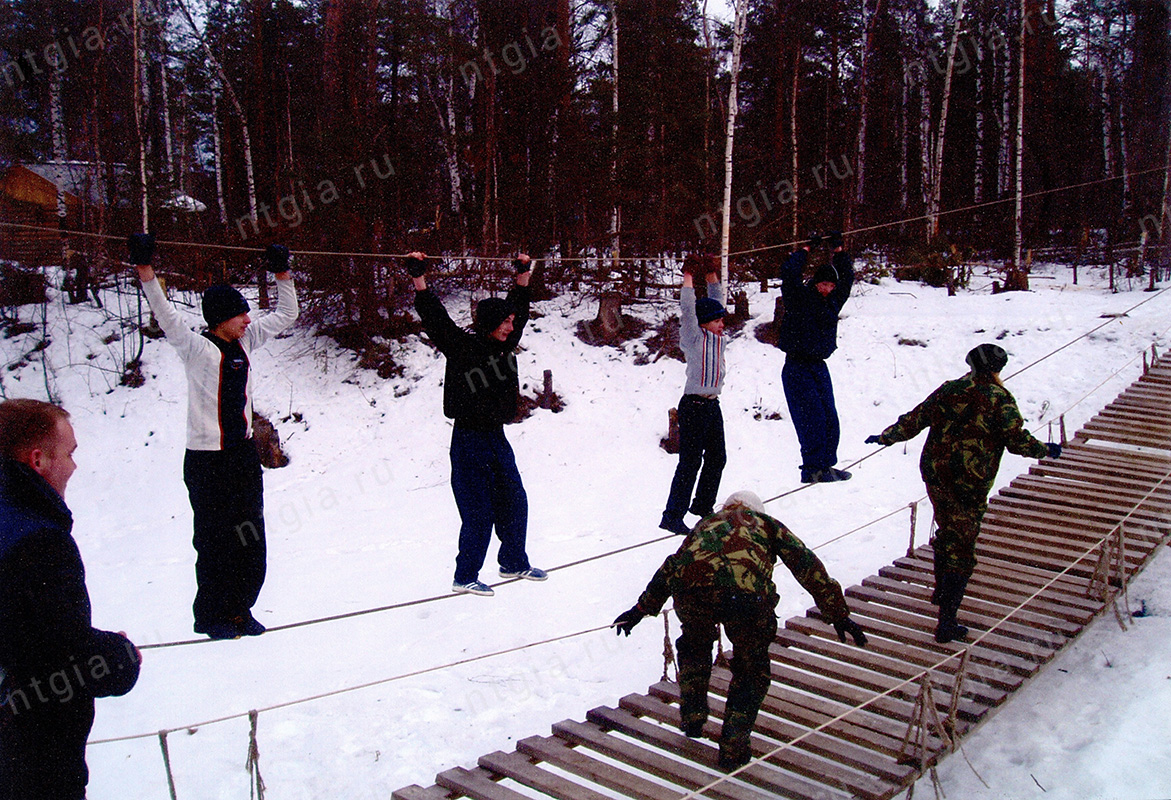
{"x":1085,"y":497}
{"x":982,"y":605}
{"x":944,"y":680}
{"x":1038,"y":546}
{"x":974,"y":619}
{"x":1116,"y":496}
{"x":476,"y":784}
{"x":1087,"y":473}
{"x":1065,"y":509}
{"x":998,"y":677}
{"x":990,"y":587}
{"x":521,"y":769}
{"x":858,"y":762}
{"x":1030,"y":520}
{"x":562,"y":754}
{"x":873,"y":683}
{"x":1034,"y":576}
{"x":417,"y":792}
{"x":861,"y":726}
{"x":1147,"y":461}
{"x":592,"y":736}
{"x":658,"y":706}
{"x":883,"y":615}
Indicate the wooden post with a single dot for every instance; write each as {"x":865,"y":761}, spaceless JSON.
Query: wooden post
{"x":914,"y":515}
{"x":545,"y":400}
{"x":1062,"y":428}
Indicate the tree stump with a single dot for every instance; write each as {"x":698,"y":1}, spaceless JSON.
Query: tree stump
{"x":608,"y":323}
{"x":778,"y":312}
{"x":268,"y":443}
{"x":740,"y":300}
{"x":670,"y":442}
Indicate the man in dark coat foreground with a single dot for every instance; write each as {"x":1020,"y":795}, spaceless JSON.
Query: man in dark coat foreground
{"x":53,"y":661}
{"x":722,"y":575}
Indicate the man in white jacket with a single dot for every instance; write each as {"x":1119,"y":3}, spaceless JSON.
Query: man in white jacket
{"x":221,"y":467}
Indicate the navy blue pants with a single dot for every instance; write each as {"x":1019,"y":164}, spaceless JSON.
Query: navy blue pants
{"x":810,"y":396}
{"x":42,"y":747}
{"x":488,"y":493}
{"x":701,"y":444}
{"x":226,"y":488}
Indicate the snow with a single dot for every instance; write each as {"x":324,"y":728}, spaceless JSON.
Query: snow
{"x":363,"y":517}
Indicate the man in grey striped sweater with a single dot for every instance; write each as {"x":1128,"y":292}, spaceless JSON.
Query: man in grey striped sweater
{"x":701,"y":424}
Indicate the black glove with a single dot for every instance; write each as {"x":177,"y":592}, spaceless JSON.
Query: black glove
{"x":627,"y":620}
{"x":834,"y":240}
{"x":814,"y":240}
{"x":276,"y":258}
{"x":141,"y":247}
{"x":874,"y":439}
{"x":1054,"y":449}
{"x":522,"y":266}
{"x":416,"y":267}
{"x":853,"y":628}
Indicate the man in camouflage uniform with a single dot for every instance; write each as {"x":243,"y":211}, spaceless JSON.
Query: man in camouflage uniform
{"x":722,"y":574}
{"x":973,"y":420}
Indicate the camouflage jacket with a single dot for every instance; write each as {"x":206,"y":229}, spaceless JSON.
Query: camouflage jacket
{"x":735,"y":550}
{"x":972,"y":421}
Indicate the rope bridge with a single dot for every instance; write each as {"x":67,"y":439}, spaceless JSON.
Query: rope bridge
{"x":1057,"y":548}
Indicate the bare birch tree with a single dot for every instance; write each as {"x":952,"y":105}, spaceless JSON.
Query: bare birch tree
{"x":741,"y":7}
{"x":941,"y":135}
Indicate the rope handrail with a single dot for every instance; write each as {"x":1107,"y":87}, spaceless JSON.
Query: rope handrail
{"x":602,"y":256}
{"x":357,"y":687}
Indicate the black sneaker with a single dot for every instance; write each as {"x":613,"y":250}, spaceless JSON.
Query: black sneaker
{"x":219,"y":630}
{"x":250,"y":626}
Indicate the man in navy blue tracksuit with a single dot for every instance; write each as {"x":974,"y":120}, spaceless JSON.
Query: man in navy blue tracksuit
{"x":53,"y":662}
{"x":808,"y":335}
{"x":480,"y":393}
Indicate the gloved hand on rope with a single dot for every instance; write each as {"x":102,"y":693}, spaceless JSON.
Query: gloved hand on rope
{"x":416,"y":264}
{"x":1054,"y":449}
{"x":875,"y":439}
{"x":522,"y":264}
{"x":626,"y":621}
{"x":276,"y":259}
{"x":848,"y":625}
{"x":141,"y":247}
{"x":834,"y":240}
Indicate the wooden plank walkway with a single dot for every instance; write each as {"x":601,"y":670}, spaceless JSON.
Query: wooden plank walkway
{"x":1042,"y":578}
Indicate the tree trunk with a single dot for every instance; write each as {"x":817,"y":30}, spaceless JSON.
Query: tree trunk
{"x":1004,"y":149}
{"x":905,"y":137}
{"x":616,"y":208}
{"x":1020,"y":282}
{"x":937,"y":170}
{"x":137,"y":90}
{"x":219,"y":161}
{"x":168,"y":145}
{"x":869,"y":22}
{"x":729,"y":139}
{"x":793,"y":143}
{"x":978,"y":167}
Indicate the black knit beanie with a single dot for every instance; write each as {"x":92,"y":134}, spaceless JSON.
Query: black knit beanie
{"x":221,"y":303}
{"x":825,"y":274}
{"x":707,"y":309}
{"x":490,"y":312}
{"x":987,"y":358}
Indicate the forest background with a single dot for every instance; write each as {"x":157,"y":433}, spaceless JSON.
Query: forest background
{"x":595,"y":134}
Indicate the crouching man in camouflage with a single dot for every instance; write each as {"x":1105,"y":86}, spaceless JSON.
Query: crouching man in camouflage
{"x":722,"y":574}
{"x":973,"y":420}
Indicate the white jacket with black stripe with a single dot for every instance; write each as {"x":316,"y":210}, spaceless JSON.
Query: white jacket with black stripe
{"x":203,"y":360}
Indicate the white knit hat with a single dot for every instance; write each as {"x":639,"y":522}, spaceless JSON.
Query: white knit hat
{"x":745,"y":498}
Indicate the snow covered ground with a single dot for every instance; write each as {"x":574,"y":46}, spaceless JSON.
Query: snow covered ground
{"x":363,"y":517}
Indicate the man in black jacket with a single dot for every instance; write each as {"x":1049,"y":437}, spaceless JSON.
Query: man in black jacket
{"x":480,"y":392}
{"x":808,"y":335}
{"x":53,"y":661}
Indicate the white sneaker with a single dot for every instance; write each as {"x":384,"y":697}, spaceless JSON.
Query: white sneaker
{"x":473,"y":587}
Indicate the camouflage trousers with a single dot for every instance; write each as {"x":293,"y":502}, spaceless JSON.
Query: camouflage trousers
{"x":957,"y":518}
{"x":751,"y":625}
